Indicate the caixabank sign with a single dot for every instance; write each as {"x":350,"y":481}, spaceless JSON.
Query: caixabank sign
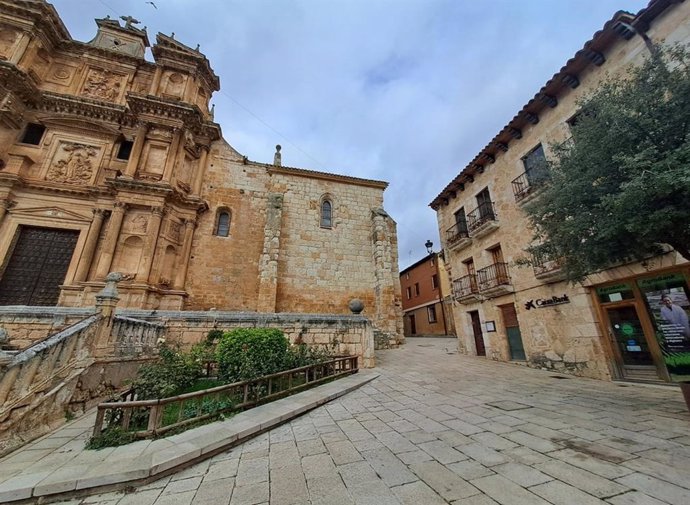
{"x":541,"y":303}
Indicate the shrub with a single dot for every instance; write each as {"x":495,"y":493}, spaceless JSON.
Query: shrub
{"x":303,"y":355}
{"x":248,"y":353}
{"x":171,"y":374}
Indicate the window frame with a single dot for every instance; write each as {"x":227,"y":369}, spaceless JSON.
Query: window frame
{"x":326,"y":223}
{"x":416,"y":289}
{"x":434,"y":281}
{"x":431,"y":310}
{"x":223,"y":211}
{"x":22,"y":139}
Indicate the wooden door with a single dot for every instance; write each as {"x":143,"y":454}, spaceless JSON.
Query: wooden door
{"x":37,"y":266}
{"x":510,"y":322}
{"x":477,"y":330}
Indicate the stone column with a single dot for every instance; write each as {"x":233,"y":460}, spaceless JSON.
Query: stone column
{"x":20,"y":48}
{"x":172,"y":154}
{"x":5,"y":205}
{"x":156,"y":81}
{"x":201,"y":171}
{"x":137,"y":148}
{"x":90,"y":245}
{"x":268,"y":263}
{"x":110,"y":241}
{"x":189,"y":225}
{"x":150,"y":245}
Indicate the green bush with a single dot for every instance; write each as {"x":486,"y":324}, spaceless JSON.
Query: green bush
{"x":302,"y":355}
{"x":248,"y":353}
{"x":170,"y":375}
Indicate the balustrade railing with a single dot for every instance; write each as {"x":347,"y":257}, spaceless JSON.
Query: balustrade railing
{"x":493,"y":276}
{"x":144,"y":418}
{"x":135,"y":335}
{"x":36,"y":368}
{"x":465,"y":286}
{"x":529,"y":181}
{"x":457,"y":232}
{"x":482,"y":214}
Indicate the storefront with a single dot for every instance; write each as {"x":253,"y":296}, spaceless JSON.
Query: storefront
{"x":645,"y":320}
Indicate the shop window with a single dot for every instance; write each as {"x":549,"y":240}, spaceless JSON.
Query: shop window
{"x":125,"y":150}
{"x":222,"y":223}
{"x":33,"y":134}
{"x":431,"y":313}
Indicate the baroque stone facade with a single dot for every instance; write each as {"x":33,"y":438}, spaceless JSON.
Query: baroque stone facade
{"x":602,"y":327}
{"x":109,"y":162}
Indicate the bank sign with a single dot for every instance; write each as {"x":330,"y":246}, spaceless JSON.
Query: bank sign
{"x":540,"y":303}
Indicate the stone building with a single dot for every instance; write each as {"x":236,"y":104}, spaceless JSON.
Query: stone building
{"x":110,"y":162}
{"x":608,"y":327}
{"x":426,"y":297}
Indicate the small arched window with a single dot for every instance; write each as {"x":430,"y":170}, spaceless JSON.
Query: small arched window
{"x":223,"y":224}
{"x":326,"y":214}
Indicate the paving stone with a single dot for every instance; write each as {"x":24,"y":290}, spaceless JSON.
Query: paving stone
{"x":180,"y":486}
{"x":462,"y":427}
{"x":442,"y":452}
{"x":252,"y":494}
{"x":443,"y":481}
{"x":395,"y":442}
{"x":354,"y":474}
{"x":453,"y":438}
{"x":559,"y":493}
{"x":343,"y":452}
{"x":535,"y":443}
{"x":582,"y":479}
{"x":328,"y":491}
{"x":318,"y":465}
{"x":416,"y":493}
{"x":390,"y":468}
{"x":591,"y":464}
{"x":656,"y":488}
{"x":480,"y":499}
{"x":484,"y":455}
{"x":525,"y":455}
{"x":675,"y":474}
{"x":493,"y":441}
{"x":148,"y":497}
{"x":470,"y":469}
{"x":288,"y":486}
{"x":414,"y":457}
{"x":634,"y":498}
{"x":176,"y":499}
{"x":523,"y":475}
{"x":222,"y":470}
{"x":506,"y":492}
{"x":252,"y":471}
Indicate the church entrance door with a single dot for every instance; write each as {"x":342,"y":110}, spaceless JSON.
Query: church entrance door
{"x":37,"y":266}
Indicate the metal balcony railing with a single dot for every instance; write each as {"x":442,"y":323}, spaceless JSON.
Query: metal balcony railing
{"x":493,"y":276}
{"x":545,"y":262}
{"x":530,"y":180}
{"x":457,"y":232}
{"x":482,"y":214}
{"x":465,"y":286}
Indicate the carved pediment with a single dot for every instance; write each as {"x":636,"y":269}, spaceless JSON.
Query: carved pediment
{"x":53,"y":212}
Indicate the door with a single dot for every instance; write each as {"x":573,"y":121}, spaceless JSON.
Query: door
{"x":413,"y":325}
{"x":38,"y":266}
{"x":477,"y":330}
{"x":510,"y":322}
{"x":635,"y":358}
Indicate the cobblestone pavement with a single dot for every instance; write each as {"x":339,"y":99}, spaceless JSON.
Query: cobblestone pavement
{"x":438,"y":427}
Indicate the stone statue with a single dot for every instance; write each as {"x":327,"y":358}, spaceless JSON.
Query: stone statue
{"x":277,"y":158}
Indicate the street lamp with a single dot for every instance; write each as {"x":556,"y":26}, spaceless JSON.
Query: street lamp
{"x":429,"y":246}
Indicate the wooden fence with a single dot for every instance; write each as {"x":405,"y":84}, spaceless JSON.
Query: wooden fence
{"x":146,"y":418}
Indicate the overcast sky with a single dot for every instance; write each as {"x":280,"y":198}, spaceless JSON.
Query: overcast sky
{"x":406,"y":91}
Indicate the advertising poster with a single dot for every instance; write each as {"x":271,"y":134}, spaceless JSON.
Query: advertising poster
{"x":669,"y":307}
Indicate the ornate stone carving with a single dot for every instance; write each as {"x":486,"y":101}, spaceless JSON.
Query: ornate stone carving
{"x":72,"y":163}
{"x":136,"y":223}
{"x":8,"y":37}
{"x":174,"y":230}
{"x":102,"y":84}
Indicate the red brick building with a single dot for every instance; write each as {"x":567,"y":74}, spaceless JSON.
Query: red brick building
{"x":426,"y":298}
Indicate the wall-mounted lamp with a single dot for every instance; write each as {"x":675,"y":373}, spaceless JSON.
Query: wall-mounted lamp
{"x":429,"y":246}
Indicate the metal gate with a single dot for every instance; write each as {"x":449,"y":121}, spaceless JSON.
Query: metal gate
{"x":37,"y":266}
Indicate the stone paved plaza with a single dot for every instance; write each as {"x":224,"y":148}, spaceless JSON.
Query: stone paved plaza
{"x":437,"y":427}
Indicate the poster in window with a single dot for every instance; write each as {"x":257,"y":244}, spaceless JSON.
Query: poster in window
{"x":668,"y":302}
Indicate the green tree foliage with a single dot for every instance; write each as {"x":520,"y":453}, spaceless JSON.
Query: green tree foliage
{"x":174,"y":372}
{"x":248,"y":353}
{"x":620,"y":188}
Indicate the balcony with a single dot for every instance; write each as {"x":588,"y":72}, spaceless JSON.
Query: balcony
{"x":457,"y":236}
{"x":482,"y":220}
{"x":465,"y":289}
{"x":547,"y":268}
{"x":494,"y":280}
{"x":526,"y":186}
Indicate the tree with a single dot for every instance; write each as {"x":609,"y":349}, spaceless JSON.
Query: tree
{"x":620,"y":187}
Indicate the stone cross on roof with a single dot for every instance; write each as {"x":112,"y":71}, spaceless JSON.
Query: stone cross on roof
{"x":129,"y":21}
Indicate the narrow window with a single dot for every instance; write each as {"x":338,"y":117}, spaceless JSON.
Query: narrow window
{"x":434,"y":281}
{"x":416,"y":288}
{"x":431,"y":313}
{"x":223,"y":224}
{"x":33,"y":134}
{"x":408,"y":292}
{"x":326,"y":214}
{"x":125,"y":150}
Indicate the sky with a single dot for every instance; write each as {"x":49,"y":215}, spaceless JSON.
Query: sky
{"x":405,"y":91}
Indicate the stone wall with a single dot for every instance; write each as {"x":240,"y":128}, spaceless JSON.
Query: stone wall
{"x":27,"y":325}
{"x":338,"y":333}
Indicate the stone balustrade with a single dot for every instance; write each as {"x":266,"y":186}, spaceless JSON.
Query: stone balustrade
{"x":134,"y":337}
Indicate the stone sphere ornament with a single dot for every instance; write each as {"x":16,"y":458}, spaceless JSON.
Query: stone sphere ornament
{"x":356,"y":306}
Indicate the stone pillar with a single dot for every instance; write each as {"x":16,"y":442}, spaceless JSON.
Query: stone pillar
{"x":20,"y":48}
{"x":90,"y":245}
{"x":268,"y":263}
{"x":172,"y":154}
{"x":156,"y":81}
{"x":137,"y":148}
{"x":189,"y":225}
{"x":201,"y":171}
{"x":5,"y":205}
{"x":110,"y":241}
{"x":106,"y":302}
{"x":149,"y":251}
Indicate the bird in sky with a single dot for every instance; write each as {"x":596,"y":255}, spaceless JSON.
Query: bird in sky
{"x":154,"y":5}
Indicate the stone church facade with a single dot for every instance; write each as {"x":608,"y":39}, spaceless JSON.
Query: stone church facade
{"x":611,"y":326}
{"x":109,"y":162}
